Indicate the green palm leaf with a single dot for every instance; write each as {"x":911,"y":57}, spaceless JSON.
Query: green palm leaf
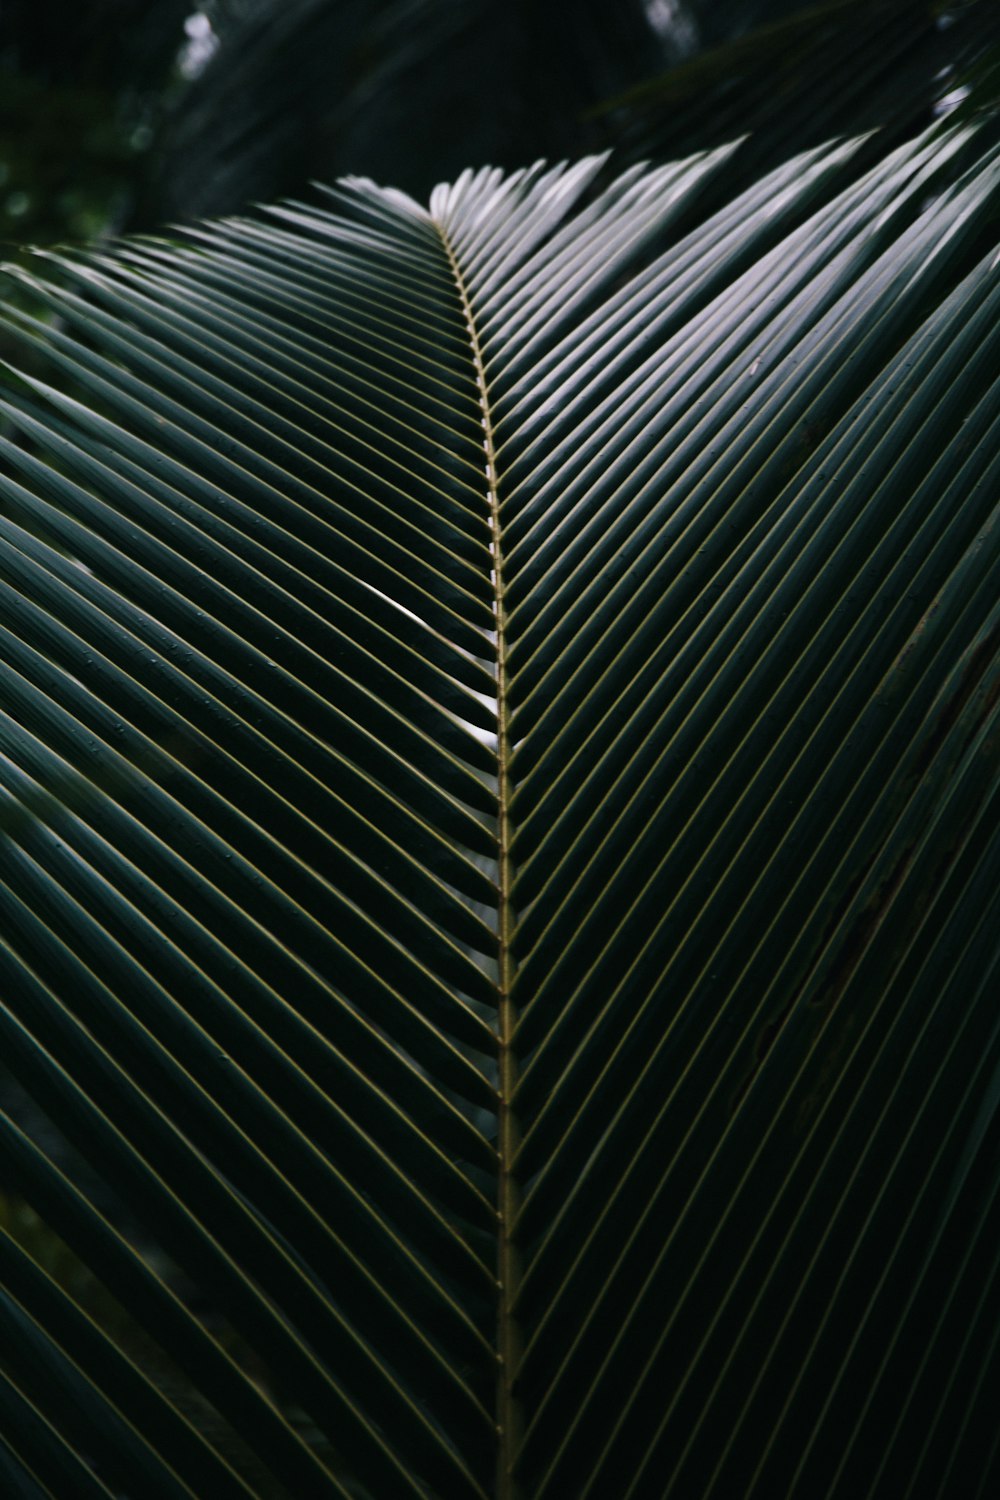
{"x":498,"y":772}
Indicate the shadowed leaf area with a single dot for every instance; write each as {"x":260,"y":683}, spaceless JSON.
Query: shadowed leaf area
{"x":498,"y":861}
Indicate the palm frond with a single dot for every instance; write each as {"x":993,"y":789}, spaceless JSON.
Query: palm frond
{"x":498,"y":780}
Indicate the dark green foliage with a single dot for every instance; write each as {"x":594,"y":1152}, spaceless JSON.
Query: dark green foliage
{"x":628,"y":786}
{"x":81,"y":91}
{"x":498,"y":801}
{"x":407,"y":91}
{"x":804,"y":74}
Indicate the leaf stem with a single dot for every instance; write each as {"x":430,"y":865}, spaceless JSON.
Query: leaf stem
{"x":509,"y":1338}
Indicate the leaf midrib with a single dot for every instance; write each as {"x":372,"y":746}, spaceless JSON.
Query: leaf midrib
{"x":509,"y":1421}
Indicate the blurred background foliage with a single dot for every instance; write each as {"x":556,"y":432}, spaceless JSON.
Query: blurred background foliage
{"x":84,"y":85}
{"x":127,"y":114}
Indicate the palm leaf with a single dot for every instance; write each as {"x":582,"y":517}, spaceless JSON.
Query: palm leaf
{"x":498,"y":771}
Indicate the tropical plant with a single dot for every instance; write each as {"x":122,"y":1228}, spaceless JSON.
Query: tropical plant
{"x":498,"y":879}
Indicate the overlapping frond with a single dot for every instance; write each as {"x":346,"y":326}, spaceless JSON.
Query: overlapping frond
{"x":499,"y":773}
